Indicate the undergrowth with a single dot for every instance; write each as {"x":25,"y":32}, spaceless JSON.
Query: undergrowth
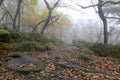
{"x":99,"y":49}
{"x":31,"y":42}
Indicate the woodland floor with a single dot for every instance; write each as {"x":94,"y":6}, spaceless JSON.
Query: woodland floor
{"x":65,"y":54}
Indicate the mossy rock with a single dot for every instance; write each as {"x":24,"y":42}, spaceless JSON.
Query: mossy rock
{"x":4,"y":35}
{"x":4,"y":32}
{"x":21,"y":64}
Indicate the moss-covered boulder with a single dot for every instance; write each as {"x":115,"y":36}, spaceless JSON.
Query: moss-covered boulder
{"x":2,"y":32}
{"x":4,"y":35}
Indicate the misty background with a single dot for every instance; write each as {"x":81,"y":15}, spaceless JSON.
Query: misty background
{"x":86,"y":24}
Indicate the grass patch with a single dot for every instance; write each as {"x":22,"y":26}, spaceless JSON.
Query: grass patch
{"x":29,"y":46}
{"x":84,"y":56}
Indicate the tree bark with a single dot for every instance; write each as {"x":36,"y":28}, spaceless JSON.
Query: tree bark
{"x":1,"y":1}
{"x":47,"y":22}
{"x":16,"y":15}
{"x":50,"y":10}
{"x":104,"y":20}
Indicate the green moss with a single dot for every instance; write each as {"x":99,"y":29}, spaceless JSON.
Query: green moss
{"x":3,"y":32}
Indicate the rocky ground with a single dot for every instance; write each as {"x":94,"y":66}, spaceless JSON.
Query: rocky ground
{"x":62,"y":64}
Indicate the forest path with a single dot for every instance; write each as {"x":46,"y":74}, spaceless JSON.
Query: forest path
{"x":62,"y":64}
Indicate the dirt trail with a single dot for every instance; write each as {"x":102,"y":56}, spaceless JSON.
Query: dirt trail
{"x":65,"y":48}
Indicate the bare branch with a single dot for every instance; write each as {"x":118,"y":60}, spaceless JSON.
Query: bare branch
{"x":56,"y":4}
{"x":64,"y":6}
{"x":112,"y":17}
{"x":50,"y":10}
{"x":111,"y":2}
{"x":93,"y":7}
{"x":7,"y":11}
{"x":84,"y":7}
{"x":56,"y":19}
{"x":47,"y":4}
{"x":42,"y":22}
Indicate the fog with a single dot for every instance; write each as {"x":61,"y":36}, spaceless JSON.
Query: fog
{"x":86,"y":24}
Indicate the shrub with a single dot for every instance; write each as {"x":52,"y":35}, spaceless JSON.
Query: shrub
{"x":99,"y":49}
{"x":107,"y":50}
{"x":56,"y":42}
{"x":29,"y":46}
{"x":36,"y":37}
{"x":50,"y":46}
{"x":16,"y":37}
{"x":83,"y":44}
{"x":26,"y":47}
{"x":84,"y":56}
{"x":80,"y":44}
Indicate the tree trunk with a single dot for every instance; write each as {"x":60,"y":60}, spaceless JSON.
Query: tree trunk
{"x":1,"y":1}
{"x":16,"y":15}
{"x":50,"y":10}
{"x":47,"y":22}
{"x":104,"y":20}
{"x":19,"y":20}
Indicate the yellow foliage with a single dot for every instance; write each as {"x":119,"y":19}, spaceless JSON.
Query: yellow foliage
{"x":32,"y":3}
{"x":31,"y":16}
{"x":30,"y":20}
{"x":56,"y":28}
{"x":63,"y":21}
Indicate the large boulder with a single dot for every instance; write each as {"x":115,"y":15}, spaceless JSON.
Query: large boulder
{"x":24,"y":64}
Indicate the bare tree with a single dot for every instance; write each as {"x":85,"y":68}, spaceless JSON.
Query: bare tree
{"x":16,"y":15}
{"x":104,"y":20}
{"x":44,"y":20}
{"x":50,"y":10}
{"x":100,"y":6}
